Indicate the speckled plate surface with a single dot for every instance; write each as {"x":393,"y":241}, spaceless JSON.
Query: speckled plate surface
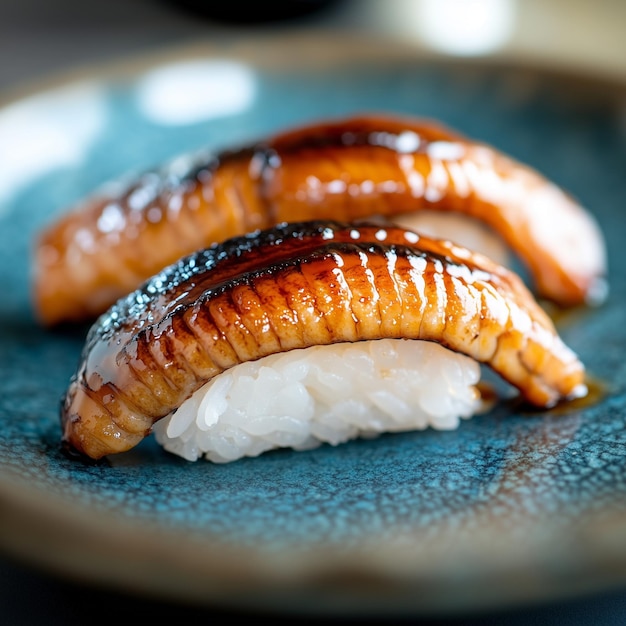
{"x":509,"y":508}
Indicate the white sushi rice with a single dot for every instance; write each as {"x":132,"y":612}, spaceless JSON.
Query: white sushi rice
{"x":323,"y":394}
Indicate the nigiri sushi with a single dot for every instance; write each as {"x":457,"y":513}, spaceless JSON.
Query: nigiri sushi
{"x":308,"y":333}
{"x":356,"y":168}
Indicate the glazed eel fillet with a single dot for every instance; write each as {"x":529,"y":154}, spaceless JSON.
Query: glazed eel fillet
{"x":347,"y":169}
{"x":293,"y":286}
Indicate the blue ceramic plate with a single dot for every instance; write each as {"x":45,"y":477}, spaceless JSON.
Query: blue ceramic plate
{"x":508,"y":508}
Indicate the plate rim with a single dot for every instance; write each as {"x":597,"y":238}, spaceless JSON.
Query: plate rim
{"x":328,"y":41}
{"x":14,"y":495}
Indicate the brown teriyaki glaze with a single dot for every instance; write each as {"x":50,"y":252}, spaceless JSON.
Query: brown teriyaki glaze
{"x":347,"y":169}
{"x":293,"y":286}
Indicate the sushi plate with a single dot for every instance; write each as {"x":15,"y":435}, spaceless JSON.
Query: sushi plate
{"x":509,"y":508}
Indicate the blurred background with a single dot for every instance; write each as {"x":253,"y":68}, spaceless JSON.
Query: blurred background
{"x":42,"y":39}
{"x":42,"y":42}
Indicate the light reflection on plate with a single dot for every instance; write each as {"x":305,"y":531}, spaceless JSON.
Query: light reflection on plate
{"x":508,"y":508}
{"x":48,"y":131}
{"x":189,"y":92}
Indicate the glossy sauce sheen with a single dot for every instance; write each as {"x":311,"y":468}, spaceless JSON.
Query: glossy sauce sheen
{"x":294,"y":286}
{"x":347,"y":170}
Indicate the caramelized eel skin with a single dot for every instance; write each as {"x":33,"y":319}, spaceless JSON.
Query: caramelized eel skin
{"x":347,"y":169}
{"x":294,"y":286}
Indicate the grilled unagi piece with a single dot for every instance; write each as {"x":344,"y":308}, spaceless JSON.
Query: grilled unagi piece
{"x":294,"y":286}
{"x":348,"y":169}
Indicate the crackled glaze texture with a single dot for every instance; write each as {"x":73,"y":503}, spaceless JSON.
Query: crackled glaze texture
{"x":509,"y":504}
